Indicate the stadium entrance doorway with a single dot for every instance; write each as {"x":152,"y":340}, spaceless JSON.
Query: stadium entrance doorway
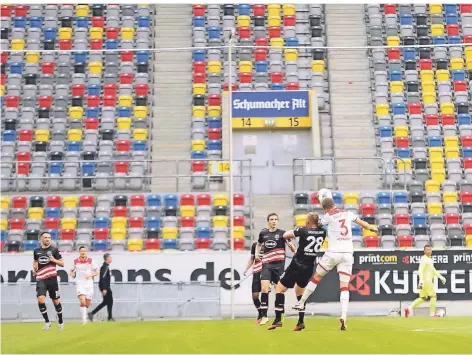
{"x":271,"y":153}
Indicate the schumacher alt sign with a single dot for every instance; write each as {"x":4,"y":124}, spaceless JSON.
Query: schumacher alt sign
{"x":393,"y":276}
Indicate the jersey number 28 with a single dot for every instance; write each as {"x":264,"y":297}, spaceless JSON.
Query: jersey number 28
{"x":314,"y":245}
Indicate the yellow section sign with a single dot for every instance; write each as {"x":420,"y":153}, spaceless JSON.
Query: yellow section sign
{"x":270,"y":123}
{"x":218,"y":167}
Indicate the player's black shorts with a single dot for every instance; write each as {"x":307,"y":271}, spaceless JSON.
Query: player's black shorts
{"x":272,"y":271}
{"x":296,"y":274}
{"x":50,"y":286}
{"x":256,"y":282}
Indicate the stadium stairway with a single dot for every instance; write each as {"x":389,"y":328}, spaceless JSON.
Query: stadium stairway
{"x":265,"y":204}
{"x":173,"y":95}
{"x":351,"y":112}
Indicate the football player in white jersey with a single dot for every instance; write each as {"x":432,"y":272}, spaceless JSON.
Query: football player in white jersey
{"x":83,"y":272}
{"x":339,"y":253}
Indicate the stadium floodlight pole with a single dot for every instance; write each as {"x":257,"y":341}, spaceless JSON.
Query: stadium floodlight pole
{"x":230,"y":182}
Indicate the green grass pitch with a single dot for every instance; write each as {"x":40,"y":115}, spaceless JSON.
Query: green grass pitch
{"x":364,"y":335}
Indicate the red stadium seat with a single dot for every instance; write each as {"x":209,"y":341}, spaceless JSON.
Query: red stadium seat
{"x":468,"y":229}
{"x":467,"y":39}
{"x":126,"y":78}
{"x":65,"y":44}
{"x":226,"y":87}
{"x":48,"y":67}
{"x":123,"y":145}
{"x":371,"y":241}
{"x":141,"y":89}
{"x":137,"y":201}
{"x":214,"y":100}
{"x":203,"y":200}
{"x":426,"y":64}
{"x":214,"y":133}
{"x":96,"y":44}
{"x":93,"y":100}
{"x":17,"y":224}
{"x":25,"y":136}
{"x":3,"y":78}
{"x":126,"y":56}
{"x":120,"y":211}
{"x":136,"y":222}
{"x":98,"y":21}
{"x":258,"y":9}
{"x":91,"y":123}
{"x":121,"y":167}
{"x":432,"y":120}
{"x":152,"y":244}
{"x":238,"y":221}
{"x":187,"y":222}
{"x":109,"y":100}
{"x":314,"y":198}
{"x":452,"y":29}
{"x":393,"y":53}
{"x":467,"y":163}
{"x":199,"y":67}
{"x":2,"y":246}
{"x":45,"y":101}
{"x":238,"y":200}
{"x":53,"y":201}
{"x":415,"y":108}
{"x":466,"y":196}
{"x":390,"y":9}
{"x":466,"y":141}
{"x":67,"y":234}
{"x":289,"y":20}
{"x":51,"y":223}
{"x":238,"y":244}
{"x":19,"y":202}
{"x":244,"y":32}
{"x":368,"y":208}
{"x":277,"y":77}
{"x":203,"y":243}
{"x":12,"y":101}
{"x":452,"y":218}
{"x":402,"y":219}
{"x":198,"y":166}
{"x":78,"y":90}
{"x":464,"y":8}
{"x":112,"y":33}
{"x":109,"y":89}
{"x":199,"y":10}
{"x":5,"y":11}
{"x":405,"y":241}
{"x":402,"y":142}
{"x":245,"y":78}
{"x":262,"y":42}
{"x":4,"y":57}
{"x":187,"y":200}
{"x":199,"y":78}
{"x":23,"y":156}
{"x":275,"y":32}
{"x":101,"y":233}
{"x":460,"y":86}
{"x":260,"y":54}
{"x":448,"y":120}
{"x":21,"y":10}
{"x":292,"y":86}
{"x":87,"y":201}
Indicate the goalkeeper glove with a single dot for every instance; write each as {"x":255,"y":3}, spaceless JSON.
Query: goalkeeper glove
{"x":372,"y":228}
{"x":443,"y":280}
{"x":420,"y":285}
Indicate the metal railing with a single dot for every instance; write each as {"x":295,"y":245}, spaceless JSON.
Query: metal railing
{"x":321,"y":172}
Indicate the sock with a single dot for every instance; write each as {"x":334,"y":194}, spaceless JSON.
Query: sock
{"x":257,"y":304}
{"x":432,"y":306}
{"x":310,"y":288}
{"x":59,"y":312}
{"x":264,"y":304}
{"x":344,"y":298}
{"x":416,"y":303}
{"x":83,"y":312}
{"x":301,"y":314}
{"x":279,"y":306}
{"x":44,"y":311}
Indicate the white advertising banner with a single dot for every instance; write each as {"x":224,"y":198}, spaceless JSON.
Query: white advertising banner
{"x":151,"y":267}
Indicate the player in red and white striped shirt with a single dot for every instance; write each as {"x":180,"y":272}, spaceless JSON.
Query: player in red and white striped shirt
{"x":256,"y":279}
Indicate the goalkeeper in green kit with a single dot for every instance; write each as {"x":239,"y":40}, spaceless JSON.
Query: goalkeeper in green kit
{"x":426,"y":273}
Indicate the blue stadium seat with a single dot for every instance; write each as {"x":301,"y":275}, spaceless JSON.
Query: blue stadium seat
{"x":450,"y":9}
{"x":9,"y":136}
{"x":403,"y":153}
{"x":408,"y":54}
{"x":214,"y":145}
{"x":291,"y":41}
{"x":139,"y":146}
{"x":19,"y":22}
{"x":199,"y":21}
{"x":198,"y":154}
{"x":143,"y":57}
{"x":53,"y":212}
{"x":171,"y":200}
{"x":338,"y":197}
{"x":144,"y":21}
{"x":82,"y":22}
{"x":153,"y":201}
{"x":88,"y":168}
{"x":435,"y":141}
{"x":464,"y":119}
{"x":16,"y":68}
{"x":396,"y":75}
{"x":213,"y":32}
{"x":384,"y":197}
{"x":30,"y":245}
{"x":50,"y":33}
{"x":203,"y":232}
{"x":80,"y":57}
{"x":262,"y":66}
{"x":55,"y":168}
{"x":356,"y":230}
{"x":36,"y":22}
{"x":101,"y":222}
{"x":54,"y":233}
{"x":153,"y":222}
{"x":467,"y":152}
{"x":418,"y":218}
{"x":399,"y":109}
{"x":244,"y":9}
{"x":111,"y":44}
{"x":74,"y":146}
{"x":277,"y":86}
{"x":3,"y":236}
{"x":385,"y":131}
{"x":169,"y":244}
{"x":214,"y":122}
{"x":93,"y":89}
{"x":199,"y":55}
{"x":406,"y":19}
{"x":458,"y":75}
{"x":400,"y":197}
{"x":439,"y":40}
{"x":100,"y":245}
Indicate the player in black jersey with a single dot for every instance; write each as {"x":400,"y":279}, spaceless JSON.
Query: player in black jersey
{"x":300,"y":270}
{"x":273,"y":259}
{"x":46,"y":257}
{"x":256,"y":280}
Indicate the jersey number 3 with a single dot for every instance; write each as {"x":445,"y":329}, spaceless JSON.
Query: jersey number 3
{"x":344,"y":229}
{"x":315,"y":244}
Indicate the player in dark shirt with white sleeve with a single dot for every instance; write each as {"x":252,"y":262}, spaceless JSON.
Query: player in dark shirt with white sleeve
{"x":256,"y":279}
{"x":300,"y":270}
{"x":46,"y":257}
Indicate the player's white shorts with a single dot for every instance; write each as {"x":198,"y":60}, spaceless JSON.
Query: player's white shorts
{"x":86,"y":290}
{"x":342,"y":261}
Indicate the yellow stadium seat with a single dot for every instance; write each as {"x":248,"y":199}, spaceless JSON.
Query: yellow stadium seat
{"x":124,"y":123}
{"x":451,"y":141}
{"x":95,"y":67}
{"x":289,"y":9}
{"x":450,"y":197}
{"x":81,"y":10}
{"x":382,"y":110}
{"x":65,"y":33}
{"x":125,"y":100}
{"x":32,"y":57}
{"x":199,"y":89}
{"x":140,"y":134}
{"x":169,"y":232}
{"x":5,"y":202}
{"x":74,"y":135}
{"x":442,"y":75}
{"x":452,"y":152}
{"x":435,"y":153}
{"x":273,"y":10}
{"x":438,"y":175}
{"x":245,"y":66}
{"x":4,"y":224}
{"x":426,"y":75}
{"x":140,"y":111}
{"x":432,"y":186}
{"x":291,"y":55}
{"x":220,"y":200}
{"x":135,"y":244}
{"x":396,"y":86}
{"x":447,"y":108}
{"x":187,"y":211}
{"x":198,"y":111}
{"x":393,"y":41}
{"x":70,"y":201}
{"x":468,"y":241}
{"x":96,"y":32}
{"x":198,"y":145}
{"x":351,"y":198}
{"x":429,"y":97}
{"x":435,"y":8}
{"x":68,"y":223}
{"x":118,"y":222}
{"x":300,"y":220}
{"x":35,"y":212}
{"x":436,"y":164}
{"x":277,"y":42}
{"x":317,"y":66}
{"x":214,"y":111}
{"x":468,"y":53}
{"x":428,"y":86}
{"x":17,"y":44}
{"x":2,"y":90}
{"x":214,"y":66}
{"x":239,"y":232}
{"x":42,"y":135}
{"x":244,"y":21}
{"x":118,"y":233}
{"x":220,"y":222}
{"x":76,"y":112}
{"x":273,"y":21}
{"x":457,"y":63}
{"x":401,"y":131}
{"x":404,"y":164}
{"x":469,"y":64}
{"x":434,"y":208}
{"x":437,"y":30}
{"x":127,"y":33}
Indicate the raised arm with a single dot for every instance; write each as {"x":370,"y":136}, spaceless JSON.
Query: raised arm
{"x":366,"y":225}
{"x":289,"y":234}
